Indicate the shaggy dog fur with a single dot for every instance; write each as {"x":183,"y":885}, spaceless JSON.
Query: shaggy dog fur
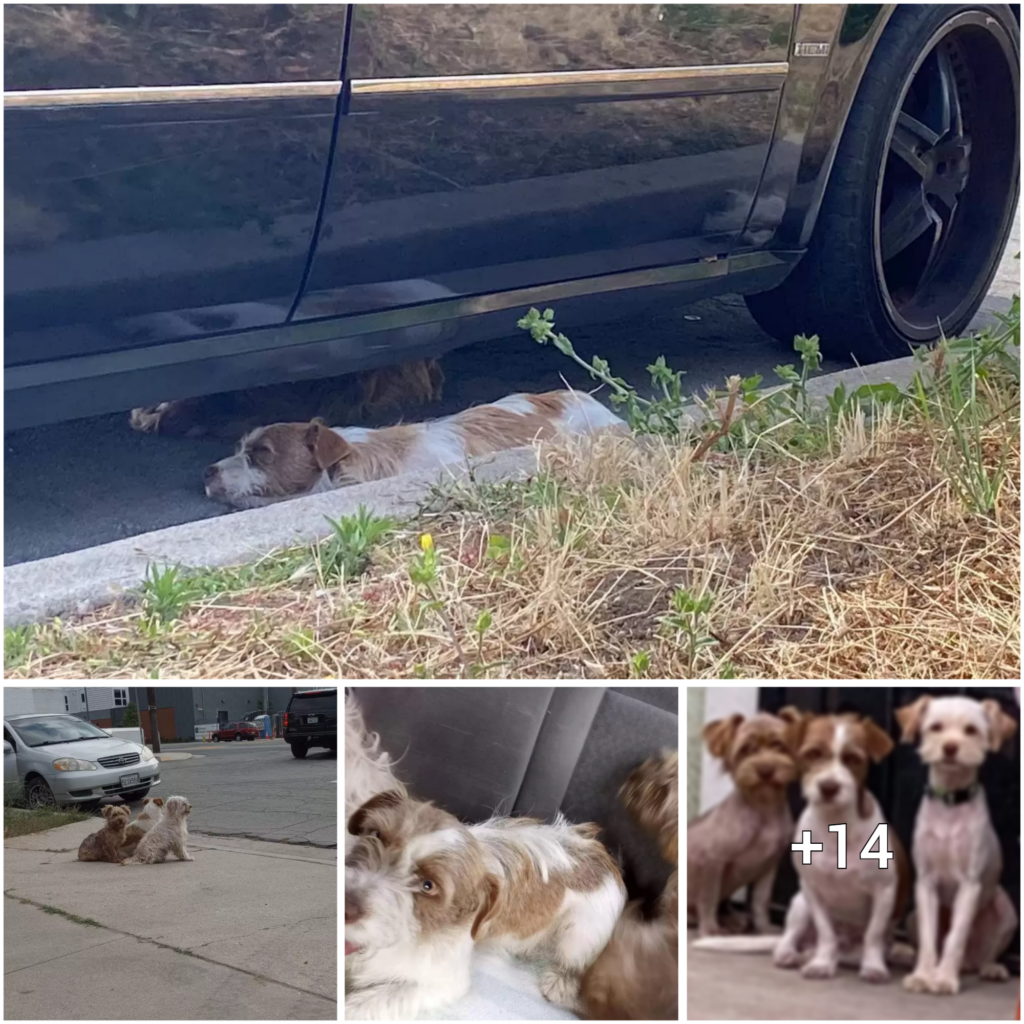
{"x":636,"y":977}
{"x":152,"y":812}
{"x":106,"y":844}
{"x":167,"y":836}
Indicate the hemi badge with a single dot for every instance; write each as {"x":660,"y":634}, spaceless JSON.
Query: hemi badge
{"x":812,"y":49}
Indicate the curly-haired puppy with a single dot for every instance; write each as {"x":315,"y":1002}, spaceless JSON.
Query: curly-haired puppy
{"x":106,"y":844}
{"x":152,"y":812}
{"x":167,"y":836}
{"x":636,"y":977}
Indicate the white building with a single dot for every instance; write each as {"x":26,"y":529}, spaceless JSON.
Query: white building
{"x":76,"y":700}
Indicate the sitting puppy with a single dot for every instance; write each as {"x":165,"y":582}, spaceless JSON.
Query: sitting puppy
{"x":636,"y":977}
{"x":167,"y":836}
{"x":422,"y":889}
{"x":106,"y":844}
{"x":741,"y":841}
{"x":152,"y":812}
{"x":961,"y":907}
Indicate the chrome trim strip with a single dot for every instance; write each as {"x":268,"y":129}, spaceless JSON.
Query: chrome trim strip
{"x":325,"y":329}
{"x":560,"y":79}
{"x":49,"y":98}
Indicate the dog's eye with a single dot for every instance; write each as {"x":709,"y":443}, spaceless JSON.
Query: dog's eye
{"x":935,"y":727}
{"x":814,"y":754}
{"x":375,"y":834}
{"x":971,"y":730}
{"x":852,"y":760}
{"x":427,"y":885}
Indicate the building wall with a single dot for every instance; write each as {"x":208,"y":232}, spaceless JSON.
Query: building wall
{"x":28,"y":700}
{"x":231,"y":703}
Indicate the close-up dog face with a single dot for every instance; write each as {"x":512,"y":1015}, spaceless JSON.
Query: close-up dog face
{"x":117,"y":816}
{"x":760,"y":752}
{"x":275,"y":463}
{"x":835,"y":754}
{"x":152,"y":806}
{"x":413,"y":872}
{"x":955,"y":731}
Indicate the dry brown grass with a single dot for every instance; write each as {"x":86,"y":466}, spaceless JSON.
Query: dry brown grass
{"x":860,"y":563}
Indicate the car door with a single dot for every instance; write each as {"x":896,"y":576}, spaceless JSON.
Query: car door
{"x":486,"y":148}
{"x":164,"y":165}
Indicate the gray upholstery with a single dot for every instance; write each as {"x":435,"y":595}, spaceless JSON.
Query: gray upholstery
{"x":531,"y":750}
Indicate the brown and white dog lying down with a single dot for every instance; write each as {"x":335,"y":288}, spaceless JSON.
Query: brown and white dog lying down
{"x":636,"y":977}
{"x":422,"y":890}
{"x":349,"y":399}
{"x":289,"y":460}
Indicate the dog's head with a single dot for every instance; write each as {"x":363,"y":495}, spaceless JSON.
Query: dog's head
{"x":835,"y":753}
{"x":955,"y":732}
{"x":117,"y":816}
{"x":284,"y":460}
{"x":651,"y":794}
{"x":178,"y":807}
{"x":760,"y":752}
{"x":415,"y":871}
{"x":152,"y":807}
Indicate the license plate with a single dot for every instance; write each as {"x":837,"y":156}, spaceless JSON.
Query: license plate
{"x":312,"y":719}
{"x":129,"y":780}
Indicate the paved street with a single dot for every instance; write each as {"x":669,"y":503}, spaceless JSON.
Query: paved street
{"x":256,"y":790}
{"x":71,"y":486}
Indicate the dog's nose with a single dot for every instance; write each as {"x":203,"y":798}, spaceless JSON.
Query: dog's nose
{"x":209,"y":474}
{"x":765,"y":771}
{"x":828,"y":789}
{"x":950,"y":749}
{"x":353,"y":908}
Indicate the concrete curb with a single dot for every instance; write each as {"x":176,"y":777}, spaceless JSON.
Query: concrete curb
{"x":79,"y":581}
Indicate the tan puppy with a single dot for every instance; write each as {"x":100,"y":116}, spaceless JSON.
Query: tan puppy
{"x":636,"y":977}
{"x":152,"y":812}
{"x":106,"y":844}
{"x":741,"y":841}
{"x":167,"y":836}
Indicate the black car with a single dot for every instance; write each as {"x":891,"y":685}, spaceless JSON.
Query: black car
{"x":311,"y":721}
{"x":206,"y":197}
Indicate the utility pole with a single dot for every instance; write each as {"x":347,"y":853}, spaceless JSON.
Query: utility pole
{"x":153,"y":729}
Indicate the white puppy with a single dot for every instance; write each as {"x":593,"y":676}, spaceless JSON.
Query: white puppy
{"x":152,"y":812}
{"x":956,"y":850}
{"x":167,"y":836}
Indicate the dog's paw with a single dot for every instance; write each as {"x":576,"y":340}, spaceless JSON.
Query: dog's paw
{"x":994,"y":972}
{"x":146,"y":420}
{"x":918,"y":982}
{"x":560,"y":989}
{"x":945,"y":984}
{"x":786,"y":957}
{"x":874,"y":974}
{"x":819,"y":970}
{"x":902,"y":954}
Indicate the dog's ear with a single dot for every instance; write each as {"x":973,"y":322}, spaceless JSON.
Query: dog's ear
{"x":879,"y":743}
{"x":389,"y":798}
{"x":158,"y":800}
{"x":796,"y":722}
{"x":1000,"y":725}
{"x":490,"y":892}
{"x":108,"y":811}
{"x":910,"y":718}
{"x":719,"y":735}
{"x":327,"y":447}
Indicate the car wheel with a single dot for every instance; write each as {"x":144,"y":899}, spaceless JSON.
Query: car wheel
{"x":38,"y":794}
{"x":299,"y":749}
{"x":238,"y":737}
{"x":216,"y":739}
{"x":921,"y":197}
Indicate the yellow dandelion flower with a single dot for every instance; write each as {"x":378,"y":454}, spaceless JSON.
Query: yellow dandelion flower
{"x":426,"y":542}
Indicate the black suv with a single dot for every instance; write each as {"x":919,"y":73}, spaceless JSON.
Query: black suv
{"x":312,"y":721}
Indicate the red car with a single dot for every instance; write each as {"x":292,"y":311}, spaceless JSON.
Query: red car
{"x":235,"y":731}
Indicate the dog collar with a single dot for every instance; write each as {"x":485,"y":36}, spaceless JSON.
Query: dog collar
{"x":952,"y":797}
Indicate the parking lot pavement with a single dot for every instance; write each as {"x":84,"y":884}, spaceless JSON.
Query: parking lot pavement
{"x":246,"y":931}
{"x":255,"y":789}
{"x":725,"y":987}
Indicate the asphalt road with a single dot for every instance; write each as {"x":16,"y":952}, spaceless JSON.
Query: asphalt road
{"x":74,"y":485}
{"x":255,"y":790}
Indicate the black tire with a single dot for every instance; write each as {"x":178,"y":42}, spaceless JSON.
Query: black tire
{"x":869,"y":285}
{"x":239,"y":737}
{"x":216,"y":739}
{"x":299,"y":749}
{"x":38,"y":794}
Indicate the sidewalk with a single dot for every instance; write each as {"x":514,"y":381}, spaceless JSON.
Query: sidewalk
{"x":721,"y":986}
{"x":245,"y":932}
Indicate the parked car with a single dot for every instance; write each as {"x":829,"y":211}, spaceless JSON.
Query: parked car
{"x":62,"y":759}
{"x":191,"y":219}
{"x":311,"y":721}
{"x":235,"y":731}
